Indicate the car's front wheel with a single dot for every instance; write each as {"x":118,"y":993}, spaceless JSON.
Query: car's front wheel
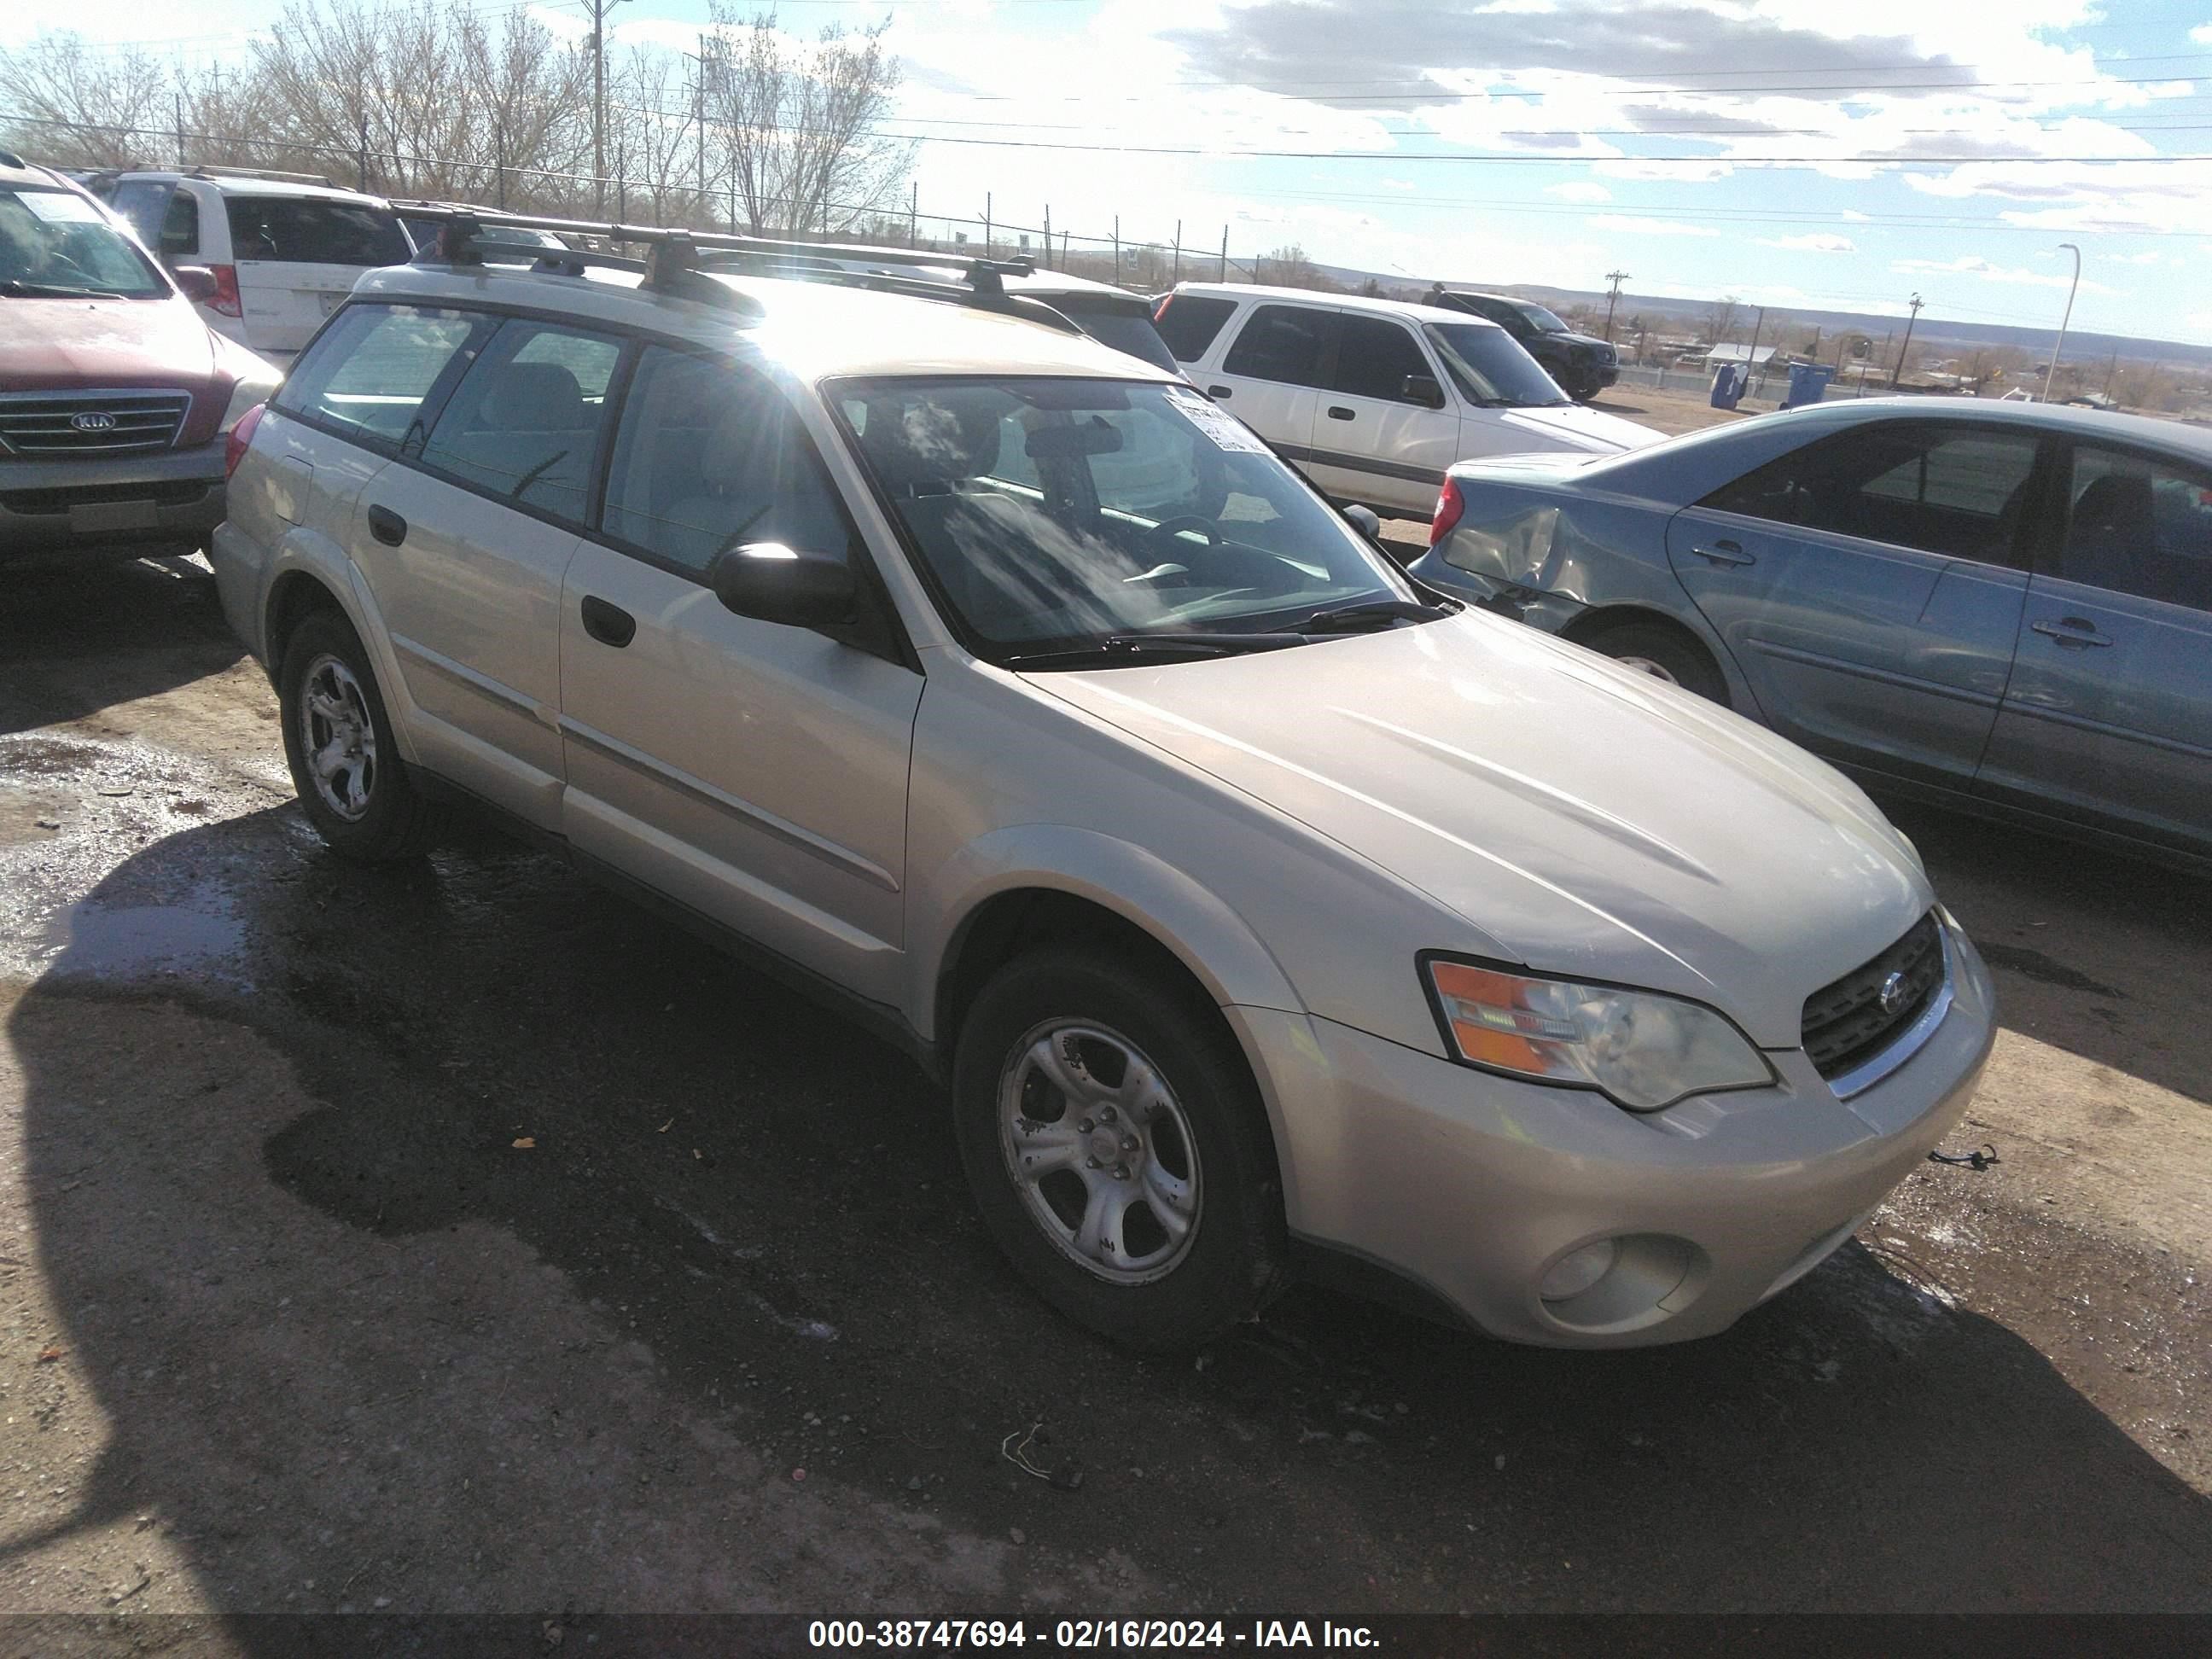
{"x":345,"y":762}
{"x":1117,"y":1148}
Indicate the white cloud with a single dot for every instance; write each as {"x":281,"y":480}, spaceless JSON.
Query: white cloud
{"x":2202,"y":34}
{"x":1635,"y":225}
{"x":2149,"y":258}
{"x":1579,"y":192}
{"x":1987,"y":270}
{"x":1815,"y":242}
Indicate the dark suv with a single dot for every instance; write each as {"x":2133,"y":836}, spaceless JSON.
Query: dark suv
{"x":1584,"y":367}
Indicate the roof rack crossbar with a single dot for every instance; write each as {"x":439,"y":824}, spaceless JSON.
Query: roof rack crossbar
{"x":209,"y":170}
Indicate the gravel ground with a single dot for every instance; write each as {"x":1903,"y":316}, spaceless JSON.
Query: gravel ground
{"x":459,"y":1238}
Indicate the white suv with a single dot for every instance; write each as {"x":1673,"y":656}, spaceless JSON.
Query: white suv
{"x":1375,"y":398}
{"x":1264,"y":912}
{"x":284,"y":251}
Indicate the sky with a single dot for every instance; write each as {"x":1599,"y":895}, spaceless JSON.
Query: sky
{"x":1793,"y":153}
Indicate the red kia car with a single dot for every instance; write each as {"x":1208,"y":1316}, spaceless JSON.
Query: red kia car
{"x":116,"y":401}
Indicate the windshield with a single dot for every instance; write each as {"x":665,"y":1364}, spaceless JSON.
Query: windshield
{"x":54,"y":243}
{"x":1068,"y":513}
{"x":1542,"y":320}
{"x":1491,"y":370}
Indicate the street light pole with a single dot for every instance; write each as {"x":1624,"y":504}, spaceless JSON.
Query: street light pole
{"x":600,"y":11}
{"x":2050,"y":373}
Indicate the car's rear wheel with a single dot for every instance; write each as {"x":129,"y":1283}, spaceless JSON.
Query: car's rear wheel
{"x":1666,"y":653}
{"x":1117,"y":1149}
{"x":345,"y":762}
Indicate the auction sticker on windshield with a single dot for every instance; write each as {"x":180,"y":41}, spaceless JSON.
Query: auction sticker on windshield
{"x":1226,"y":431}
{"x":58,"y":207}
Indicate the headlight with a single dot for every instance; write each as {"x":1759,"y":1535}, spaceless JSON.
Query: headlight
{"x":243,"y":396}
{"x":1641,"y":1049}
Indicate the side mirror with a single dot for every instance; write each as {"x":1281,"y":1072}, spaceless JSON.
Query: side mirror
{"x":1421,"y":389}
{"x":1366,"y":521}
{"x":773,"y":583}
{"x":195,"y":283}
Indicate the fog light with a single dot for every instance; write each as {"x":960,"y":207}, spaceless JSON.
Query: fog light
{"x":1577,"y":1270}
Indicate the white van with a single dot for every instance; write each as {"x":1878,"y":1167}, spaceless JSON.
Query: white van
{"x":1374,"y":398}
{"x":284,"y":251}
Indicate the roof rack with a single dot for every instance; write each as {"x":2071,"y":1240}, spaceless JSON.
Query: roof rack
{"x":213,"y":172}
{"x":680,"y":260}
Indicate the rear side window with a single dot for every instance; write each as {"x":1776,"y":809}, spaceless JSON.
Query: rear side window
{"x":370,"y":370}
{"x":1374,"y":356}
{"x":310,"y":230}
{"x":1959,"y":491}
{"x":1188,"y":322}
{"x":710,"y":456}
{"x":2140,"y":526}
{"x":140,"y":201}
{"x":1281,"y":342}
{"x":525,"y":422}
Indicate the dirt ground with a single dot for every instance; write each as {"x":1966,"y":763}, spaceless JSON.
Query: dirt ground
{"x":459,"y":1238}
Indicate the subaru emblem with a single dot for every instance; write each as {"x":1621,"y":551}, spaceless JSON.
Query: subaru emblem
{"x":93,"y":420}
{"x":1891,"y":993}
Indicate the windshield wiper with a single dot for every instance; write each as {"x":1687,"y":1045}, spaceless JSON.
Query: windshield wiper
{"x":1119,"y":650}
{"x":1372,"y":613}
{"x":16,"y":289}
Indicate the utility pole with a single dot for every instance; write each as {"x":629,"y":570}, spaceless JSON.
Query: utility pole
{"x":2050,"y":372}
{"x":178,"y":100}
{"x":1612,"y":299}
{"x":1751,"y":354}
{"x":913,"y":213}
{"x":987,"y":224}
{"x":699,"y":122}
{"x":361,"y":156}
{"x":1178,"y":255}
{"x":1117,"y":250}
{"x":1048,"y":236}
{"x":1904,"y":349}
{"x":600,"y":11}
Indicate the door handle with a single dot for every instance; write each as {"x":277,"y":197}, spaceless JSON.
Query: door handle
{"x":1339,"y":412}
{"x":387,"y":526}
{"x":2079,"y":632}
{"x":610,"y":624}
{"x":1218,"y":391}
{"x":1725,"y":553}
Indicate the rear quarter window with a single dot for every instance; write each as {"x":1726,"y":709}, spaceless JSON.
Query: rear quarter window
{"x":370,"y":370}
{"x":1189,"y":322}
{"x":314,"y":230}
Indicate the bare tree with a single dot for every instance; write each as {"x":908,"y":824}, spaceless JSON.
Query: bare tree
{"x":657,"y":137}
{"x":1721,"y":319}
{"x":79,"y":108}
{"x":1289,"y":267}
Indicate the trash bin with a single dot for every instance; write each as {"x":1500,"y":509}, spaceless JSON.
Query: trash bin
{"x":1728,"y":387}
{"x":1808,"y":383}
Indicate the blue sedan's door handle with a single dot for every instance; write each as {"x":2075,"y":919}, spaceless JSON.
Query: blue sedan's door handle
{"x":2076,"y":631}
{"x":1725,"y":553}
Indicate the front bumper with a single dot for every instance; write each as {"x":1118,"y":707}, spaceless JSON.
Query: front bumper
{"x":1472,"y":1186}
{"x":168,"y":501}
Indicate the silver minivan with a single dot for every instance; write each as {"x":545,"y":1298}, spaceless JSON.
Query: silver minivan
{"x":1263,"y":913}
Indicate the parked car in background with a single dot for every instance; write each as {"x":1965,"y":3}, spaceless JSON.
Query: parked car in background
{"x":2007,"y":604}
{"x":116,"y":399}
{"x":1262,"y":914}
{"x":284,"y":249}
{"x":422,"y":228}
{"x":1374,"y":398}
{"x":1581,"y":363}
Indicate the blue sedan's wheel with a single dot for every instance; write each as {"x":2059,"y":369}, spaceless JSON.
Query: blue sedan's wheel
{"x":1665,"y":653}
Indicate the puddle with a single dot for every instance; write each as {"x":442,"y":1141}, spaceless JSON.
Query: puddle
{"x":94,"y":941}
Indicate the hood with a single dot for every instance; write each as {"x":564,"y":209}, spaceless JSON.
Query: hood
{"x":1580,"y":818}
{"x":69,"y":345}
{"x":1572,"y":426}
{"x":1584,"y":342}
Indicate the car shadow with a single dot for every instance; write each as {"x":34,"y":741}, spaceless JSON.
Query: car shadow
{"x":102,"y":631}
{"x":460,"y":1236}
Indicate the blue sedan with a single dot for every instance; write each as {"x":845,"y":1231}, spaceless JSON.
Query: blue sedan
{"x":2007,"y":606}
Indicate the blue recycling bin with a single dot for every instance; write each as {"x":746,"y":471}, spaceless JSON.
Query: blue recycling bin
{"x":1729,"y":382}
{"x":1808,"y":383}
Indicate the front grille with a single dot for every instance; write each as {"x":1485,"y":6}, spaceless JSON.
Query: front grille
{"x":46,"y":423}
{"x":1845,"y":1024}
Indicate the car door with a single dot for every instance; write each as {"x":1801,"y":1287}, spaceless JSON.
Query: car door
{"x":1869,"y":587}
{"x":1374,"y":442}
{"x":2109,"y":711}
{"x":463,"y":542}
{"x":1273,"y":371}
{"x":754,"y":773}
{"x":298,"y":257}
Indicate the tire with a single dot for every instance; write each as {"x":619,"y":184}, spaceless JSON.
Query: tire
{"x":362,"y":803}
{"x":1196,"y":1146}
{"x":1665,"y":653}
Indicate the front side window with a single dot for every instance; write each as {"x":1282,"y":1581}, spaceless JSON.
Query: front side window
{"x":314,"y":230}
{"x":1188,"y":322}
{"x":180,"y":225}
{"x":1542,"y":321}
{"x":1373,"y":358}
{"x":56,"y":244}
{"x":524,"y":423}
{"x":1956,"y":490}
{"x":709,"y":456}
{"x":1054,"y":513}
{"x":370,"y":370}
{"x":2140,"y":526}
{"x":1490,"y":369}
{"x":1285,"y":343}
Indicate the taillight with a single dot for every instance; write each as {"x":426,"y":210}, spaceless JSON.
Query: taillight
{"x":241,"y":438}
{"x":1449,"y":505}
{"x":225,"y":302}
